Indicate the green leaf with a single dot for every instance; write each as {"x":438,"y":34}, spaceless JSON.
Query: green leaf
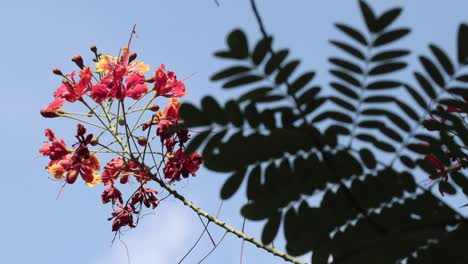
{"x":195,"y":142}
{"x":255,"y":211}
{"x":237,"y":42}
{"x":386,"y":19}
{"x":232,"y":184}
{"x":382,"y":85}
{"x":390,"y":36}
{"x":447,"y":188}
{"x":344,"y":90}
{"x":353,"y":33}
{"x":432,"y":70}
{"x":347,"y":65}
{"x":270,"y":230}
{"x":443,"y":59}
{"x":368,"y":158}
{"x":261,"y":49}
{"x":389,"y":55}
{"x":192,"y":116}
{"x":213,"y":110}
{"x":255,"y":93}
{"x":268,"y":119}
{"x":463,"y":78}
{"x":463,"y":44}
{"x":300,"y":82}
{"x":275,"y":61}
{"x":369,"y":16}
{"x":460,"y":91}
{"x":243,"y":80}
{"x":348,"y":49}
{"x":286,"y":71}
{"x":426,"y":85}
{"x":346,"y":77}
{"x":229,"y":72}
{"x":387,"y":68}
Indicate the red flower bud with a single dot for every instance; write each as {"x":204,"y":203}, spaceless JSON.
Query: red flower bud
{"x":57,"y":71}
{"x":78,"y":60}
{"x":47,"y":113}
{"x":71,"y":176}
{"x":132,"y":56}
{"x":93,"y":49}
{"x":154,"y":108}
{"x":142,"y":141}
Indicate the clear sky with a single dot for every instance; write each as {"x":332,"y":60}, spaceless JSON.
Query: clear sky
{"x":40,"y":35}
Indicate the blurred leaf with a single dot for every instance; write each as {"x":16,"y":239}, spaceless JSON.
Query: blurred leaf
{"x":368,"y":158}
{"x":192,"y":116}
{"x":346,"y":77}
{"x":353,"y":33}
{"x":254,"y":183}
{"x":195,"y":142}
{"x":308,"y":95}
{"x":387,"y":68}
{"x":261,"y":49}
{"x":300,"y":82}
{"x":382,"y":85}
{"x":443,"y":59}
{"x":243,"y":80}
{"x":369,"y":16}
{"x":232,"y":184}
{"x":255,"y":93}
{"x":407,"y":161}
{"x":237,"y":42}
{"x":426,"y":85}
{"x":233,"y":113}
{"x":253,"y":117}
{"x":462,"y":78}
{"x":213,"y":110}
{"x":344,"y":90}
{"x":389,"y":55}
{"x":347,"y":65}
{"x":275,"y":61}
{"x":334,"y":115}
{"x":271,"y":228}
{"x":229,"y":72}
{"x":348,"y":49}
{"x":416,"y":96}
{"x":432,"y":70}
{"x":463,"y":44}
{"x":386,"y":19}
{"x":286,"y":71}
{"x":342,"y":103}
{"x":390,"y":36}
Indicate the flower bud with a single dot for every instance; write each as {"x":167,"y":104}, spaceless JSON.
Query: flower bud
{"x":121,"y":122}
{"x":94,"y":141}
{"x":71,"y":176}
{"x":150,"y":80}
{"x":78,"y":60}
{"x":154,"y":108}
{"x":93,"y":49}
{"x":132,"y":56}
{"x":47,"y":113}
{"x":142,"y":141}
{"x":57,"y":71}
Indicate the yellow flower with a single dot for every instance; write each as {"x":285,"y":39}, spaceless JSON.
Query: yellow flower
{"x":96,"y":179}
{"x":57,"y":170}
{"x":106,"y":63}
{"x":140,"y":67}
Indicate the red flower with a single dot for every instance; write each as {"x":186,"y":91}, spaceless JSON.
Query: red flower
{"x":56,"y":148}
{"x":112,"y":170}
{"x":111,"y":194}
{"x":180,"y":164}
{"x":53,"y":108}
{"x":70,"y":90}
{"x":123,"y":217}
{"x":166,"y":84}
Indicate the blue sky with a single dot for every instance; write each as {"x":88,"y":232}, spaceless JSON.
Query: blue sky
{"x":40,"y":35}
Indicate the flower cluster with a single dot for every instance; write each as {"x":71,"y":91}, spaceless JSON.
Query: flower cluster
{"x":103,"y":91}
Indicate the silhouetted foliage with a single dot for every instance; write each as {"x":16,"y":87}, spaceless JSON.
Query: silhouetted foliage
{"x":360,"y":144}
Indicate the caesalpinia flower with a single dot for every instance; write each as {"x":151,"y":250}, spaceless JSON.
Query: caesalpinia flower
{"x":119,"y":78}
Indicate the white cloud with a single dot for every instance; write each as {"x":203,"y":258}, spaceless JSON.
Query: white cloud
{"x":159,"y":238}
